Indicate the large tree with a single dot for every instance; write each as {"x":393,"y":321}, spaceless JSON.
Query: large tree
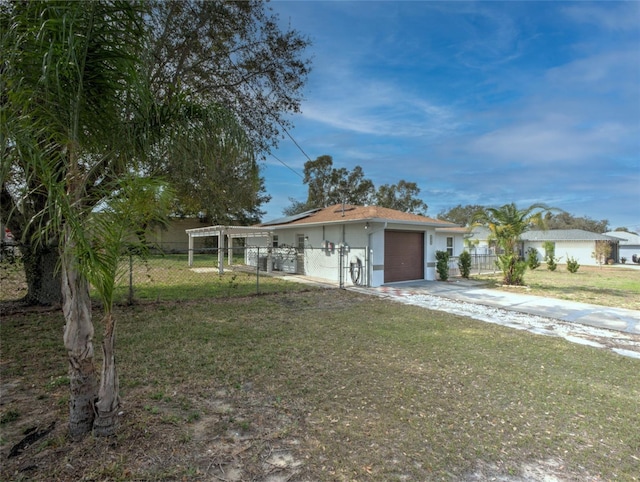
{"x":506,"y":225}
{"x":79,"y":123}
{"x":229,"y":54}
{"x":236,"y":55}
{"x":328,"y":185}
{"x":233,"y":53}
{"x":402,"y":196}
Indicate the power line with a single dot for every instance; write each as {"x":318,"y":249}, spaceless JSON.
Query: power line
{"x":292,"y":139}
{"x":287,"y":166}
{"x":250,"y":85}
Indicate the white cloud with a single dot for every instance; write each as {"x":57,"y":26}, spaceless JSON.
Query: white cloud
{"x":607,"y":15}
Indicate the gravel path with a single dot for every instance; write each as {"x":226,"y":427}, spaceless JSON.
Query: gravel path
{"x":622,"y":343}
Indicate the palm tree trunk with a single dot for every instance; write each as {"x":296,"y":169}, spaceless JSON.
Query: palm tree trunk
{"x":78,"y":340}
{"x":106,"y":421}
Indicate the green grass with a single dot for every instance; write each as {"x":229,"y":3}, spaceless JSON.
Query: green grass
{"x":169,"y":277}
{"x":608,"y":285}
{"x":353,"y":387}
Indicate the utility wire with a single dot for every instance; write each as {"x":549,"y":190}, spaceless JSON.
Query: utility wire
{"x":277,"y":121}
{"x":287,"y":166}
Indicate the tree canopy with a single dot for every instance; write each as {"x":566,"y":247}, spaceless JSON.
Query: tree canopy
{"x":462,"y":215}
{"x":328,"y":185}
{"x":234,"y":55}
{"x":564,"y":220}
{"x":402,"y":196}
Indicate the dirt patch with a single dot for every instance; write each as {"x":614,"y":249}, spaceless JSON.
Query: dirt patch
{"x":550,"y":470}
{"x":234,"y":436}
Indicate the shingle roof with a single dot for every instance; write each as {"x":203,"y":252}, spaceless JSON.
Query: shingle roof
{"x":626,"y":239}
{"x":349,"y":213}
{"x":565,"y":235}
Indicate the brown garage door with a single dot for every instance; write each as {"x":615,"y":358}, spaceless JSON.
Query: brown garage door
{"x":403,"y":256}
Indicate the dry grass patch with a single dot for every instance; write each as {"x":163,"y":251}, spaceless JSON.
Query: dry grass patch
{"x":325,"y":385}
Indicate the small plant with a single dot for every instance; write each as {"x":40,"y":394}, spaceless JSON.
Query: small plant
{"x":602,"y":252}
{"x":532,"y":258}
{"x":623,"y":260}
{"x":513,"y":269}
{"x":442,"y":265}
{"x":228,"y":283}
{"x":9,"y":416}
{"x":464,"y":264}
{"x":552,"y":263}
{"x":572,"y":264}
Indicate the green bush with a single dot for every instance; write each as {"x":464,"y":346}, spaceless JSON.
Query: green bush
{"x":532,"y":258}
{"x":464,"y":264}
{"x":572,"y":264}
{"x":442,"y":265}
{"x":552,"y":263}
{"x":513,"y":269}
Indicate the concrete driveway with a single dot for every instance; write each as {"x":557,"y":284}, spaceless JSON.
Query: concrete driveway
{"x":599,"y":326}
{"x":618,"y":319}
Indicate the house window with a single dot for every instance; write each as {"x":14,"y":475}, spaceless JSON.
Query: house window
{"x":274,"y":240}
{"x":450,"y":246}
{"x":300,"y":242}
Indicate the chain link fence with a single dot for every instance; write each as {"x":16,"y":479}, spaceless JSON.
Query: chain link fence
{"x":177,"y":274}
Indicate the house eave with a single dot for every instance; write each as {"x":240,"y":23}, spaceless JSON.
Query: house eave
{"x":361,"y":221}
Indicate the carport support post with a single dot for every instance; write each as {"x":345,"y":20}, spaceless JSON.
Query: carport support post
{"x":269,"y":256}
{"x":220,"y":252}
{"x":190,"y":250}
{"x":230,"y":249}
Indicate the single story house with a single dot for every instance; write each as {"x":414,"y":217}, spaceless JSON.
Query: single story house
{"x":478,"y":241}
{"x":365,"y":245}
{"x":575,"y":243}
{"x":629,"y":245}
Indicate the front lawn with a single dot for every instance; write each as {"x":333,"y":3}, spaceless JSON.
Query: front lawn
{"x":324,"y":385}
{"x":607,"y":285}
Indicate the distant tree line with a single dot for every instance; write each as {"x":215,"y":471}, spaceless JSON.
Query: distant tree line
{"x":464,"y":216}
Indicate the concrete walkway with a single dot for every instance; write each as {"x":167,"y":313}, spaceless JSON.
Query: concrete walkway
{"x":603,"y":317}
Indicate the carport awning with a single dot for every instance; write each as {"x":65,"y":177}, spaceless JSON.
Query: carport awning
{"x":234,"y":231}
{"x":220,"y":232}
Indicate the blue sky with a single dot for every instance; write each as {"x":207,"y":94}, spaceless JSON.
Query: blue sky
{"x":477,"y":102}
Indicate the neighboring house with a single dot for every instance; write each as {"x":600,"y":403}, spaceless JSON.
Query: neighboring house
{"x":170,"y":238}
{"x":629,"y":244}
{"x":575,"y":243}
{"x":381,"y":245}
{"x":477,"y":239}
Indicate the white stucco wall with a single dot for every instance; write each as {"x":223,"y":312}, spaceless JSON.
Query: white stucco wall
{"x":441,"y":243}
{"x":362,"y":241}
{"x":322,"y":249}
{"x":579,"y":250}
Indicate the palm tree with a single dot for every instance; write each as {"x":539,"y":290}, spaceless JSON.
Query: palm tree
{"x":506,"y":224}
{"x":78,"y":122}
